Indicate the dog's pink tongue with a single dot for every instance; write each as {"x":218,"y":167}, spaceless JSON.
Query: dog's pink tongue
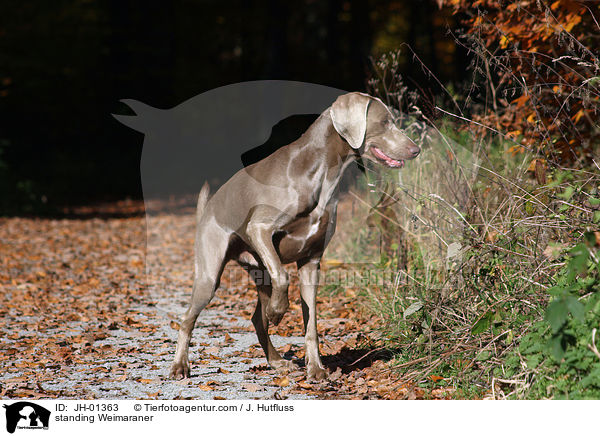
{"x":388,"y":160}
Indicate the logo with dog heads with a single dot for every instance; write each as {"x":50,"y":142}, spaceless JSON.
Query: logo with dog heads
{"x":26,"y":415}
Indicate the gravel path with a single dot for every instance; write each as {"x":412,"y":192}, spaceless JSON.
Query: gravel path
{"x":90,"y":305}
{"x":54,"y":349}
{"x":87,"y":312}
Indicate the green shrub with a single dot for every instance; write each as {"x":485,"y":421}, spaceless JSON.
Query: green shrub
{"x":559,"y":358}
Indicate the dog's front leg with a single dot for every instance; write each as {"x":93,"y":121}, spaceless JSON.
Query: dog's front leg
{"x":261,"y":238}
{"x":308,"y":273}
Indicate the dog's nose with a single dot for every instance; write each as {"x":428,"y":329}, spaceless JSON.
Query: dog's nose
{"x":414,"y":151}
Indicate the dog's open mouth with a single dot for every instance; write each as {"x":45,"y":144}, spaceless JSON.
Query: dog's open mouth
{"x":386,"y":159}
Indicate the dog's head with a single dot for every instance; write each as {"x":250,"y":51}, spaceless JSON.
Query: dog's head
{"x":363,"y":120}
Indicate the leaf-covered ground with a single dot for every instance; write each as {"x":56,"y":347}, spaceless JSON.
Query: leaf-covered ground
{"x":81,"y":317}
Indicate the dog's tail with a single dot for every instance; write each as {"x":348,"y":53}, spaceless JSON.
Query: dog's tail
{"x":202,"y":199}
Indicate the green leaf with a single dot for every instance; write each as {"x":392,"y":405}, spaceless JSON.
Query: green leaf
{"x":556,"y":314}
{"x":567,"y":193}
{"x":497,"y":317}
{"x":596,"y":217}
{"x":484,"y":355}
{"x":415,"y":307}
{"x":483,"y":323}
{"x":534,"y":361}
{"x":594,"y":201}
{"x":564,"y":207}
{"x":556,"y":347}
{"x":589,"y":238}
{"x":593,"y":379}
{"x":580,"y":255}
{"x":530,"y":208}
{"x":556,"y":291}
{"x":575,"y":308}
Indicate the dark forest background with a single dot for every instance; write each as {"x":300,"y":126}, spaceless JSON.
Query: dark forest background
{"x":64,"y":66}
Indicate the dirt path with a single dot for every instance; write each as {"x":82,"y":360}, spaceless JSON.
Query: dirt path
{"x":79,"y":318}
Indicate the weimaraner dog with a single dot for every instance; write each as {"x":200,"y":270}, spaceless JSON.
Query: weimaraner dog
{"x":281,"y":210}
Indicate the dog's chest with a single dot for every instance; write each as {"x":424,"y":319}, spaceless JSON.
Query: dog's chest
{"x":306,"y":236}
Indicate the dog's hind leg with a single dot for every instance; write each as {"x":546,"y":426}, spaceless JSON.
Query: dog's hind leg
{"x":211,"y":248}
{"x":261,"y":321}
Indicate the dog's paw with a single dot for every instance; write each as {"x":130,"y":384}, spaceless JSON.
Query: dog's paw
{"x":316,"y":373}
{"x":179,"y":370}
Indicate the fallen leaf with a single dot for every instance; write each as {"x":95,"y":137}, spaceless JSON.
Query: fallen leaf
{"x":282,"y":382}
{"x":251,"y":387}
{"x":145,"y":380}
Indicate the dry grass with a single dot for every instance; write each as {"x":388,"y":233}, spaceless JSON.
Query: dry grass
{"x":482,"y":236}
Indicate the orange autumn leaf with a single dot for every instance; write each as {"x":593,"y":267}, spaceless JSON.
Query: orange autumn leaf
{"x":282,"y":382}
{"x":520,"y":102}
{"x":534,"y":162}
{"x":573,"y":21}
{"x":578,"y":115}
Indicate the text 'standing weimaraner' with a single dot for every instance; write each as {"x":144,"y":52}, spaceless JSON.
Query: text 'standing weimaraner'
{"x":281,"y":210}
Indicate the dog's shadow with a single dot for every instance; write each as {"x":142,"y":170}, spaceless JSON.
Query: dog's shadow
{"x":349,"y":359}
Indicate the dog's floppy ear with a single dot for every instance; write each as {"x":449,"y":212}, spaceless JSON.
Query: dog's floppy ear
{"x":349,"y":116}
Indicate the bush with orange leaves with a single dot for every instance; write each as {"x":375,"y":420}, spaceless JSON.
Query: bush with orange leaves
{"x":542,"y":72}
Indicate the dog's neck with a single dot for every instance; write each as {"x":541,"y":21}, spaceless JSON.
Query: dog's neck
{"x":336,"y":155}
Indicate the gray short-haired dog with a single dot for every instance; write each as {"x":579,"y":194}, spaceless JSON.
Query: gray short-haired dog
{"x":281,"y":210}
